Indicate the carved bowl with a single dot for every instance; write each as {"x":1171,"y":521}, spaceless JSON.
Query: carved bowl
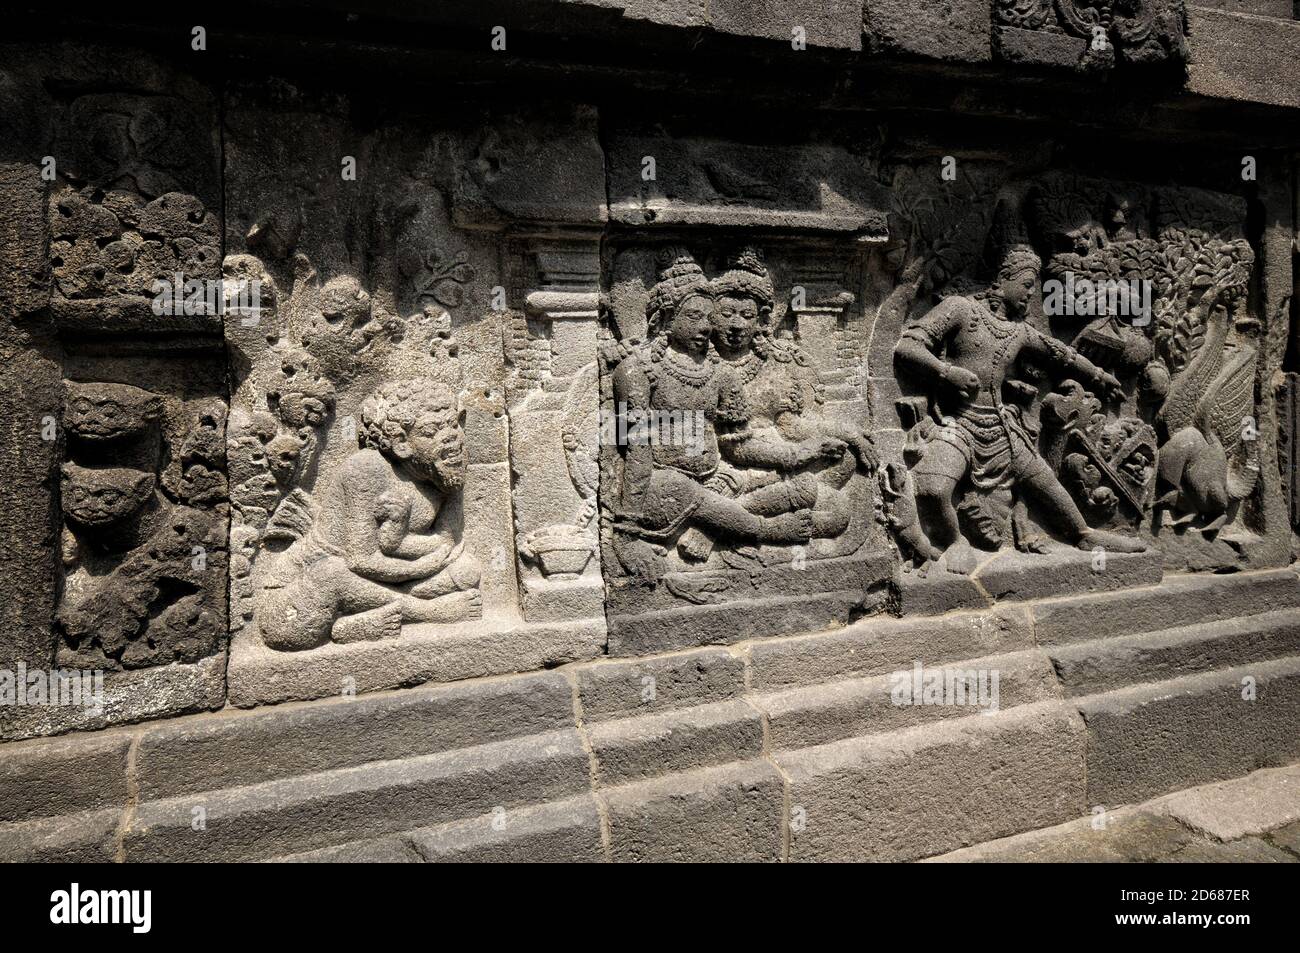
{"x":561,"y":552}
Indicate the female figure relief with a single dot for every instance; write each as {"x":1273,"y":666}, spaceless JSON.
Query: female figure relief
{"x":695,"y":405}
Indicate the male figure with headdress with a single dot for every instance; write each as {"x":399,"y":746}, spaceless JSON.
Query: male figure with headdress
{"x":666,"y":482}
{"x":970,"y":350}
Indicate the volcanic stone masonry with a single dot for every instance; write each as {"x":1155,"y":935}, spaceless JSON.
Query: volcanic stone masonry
{"x":625,"y":430}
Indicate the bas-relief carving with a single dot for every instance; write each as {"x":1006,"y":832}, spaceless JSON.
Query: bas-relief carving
{"x":144,"y":532}
{"x":412,"y":452}
{"x":753,"y":483}
{"x":352,"y":545}
{"x":1105,"y":431}
{"x":553,"y":397}
{"x":975,"y":450}
{"x":1090,"y":34}
{"x":141,"y":484}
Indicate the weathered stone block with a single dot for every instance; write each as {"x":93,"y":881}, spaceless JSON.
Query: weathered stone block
{"x":959,"y":30}
{"x":260,"y":676}
{"x":237,"y":749}
{"x":1255,"y":804}
{"x":728,"y":813}
{"x":833,"y":24}
{"x":1177,"y":601}
{"x":819,"y":714}
{"x":87,"y":837}
{"x":632,"y":749}
{"x":1108,"y":663}
{"x":1151,"y":739}
{"x":1241,"y":57}
{"x":63,"y":776}
{"x":561,"y":832}
{"x":1032,"y":576}
{"x":879,"y":645}
{"x":320,"y":810}
{"x":936,"y":787}
{"x":616,"y":689}
{"x":384,"y":850}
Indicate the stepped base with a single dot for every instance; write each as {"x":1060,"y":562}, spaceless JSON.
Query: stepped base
{"x":887,"y":739}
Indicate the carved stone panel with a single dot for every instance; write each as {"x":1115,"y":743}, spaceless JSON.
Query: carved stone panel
{"x":112,"y":192}
{"x":738,"y":466}
{"x":412,"y":419}
{"x":1092,"y":379}
{"x":1089,"y":34}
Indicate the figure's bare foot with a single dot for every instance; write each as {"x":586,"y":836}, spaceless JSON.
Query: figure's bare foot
{"x":1114,"y":542}
{"x":960,"y":558}
{"x":382,"y":623}
{"x":454,"y":607}
{"x":794,"y":527}
{"x":463,"y":574}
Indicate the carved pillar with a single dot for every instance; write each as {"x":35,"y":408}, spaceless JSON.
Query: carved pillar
{"x":554,"y":418}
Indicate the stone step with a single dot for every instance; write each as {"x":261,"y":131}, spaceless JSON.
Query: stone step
{"x":730,"y":812}
{"x":1154,"y":738}
{"x":239,"y":748}
{"x":565,"y":831}
{"x":562,"y":832}
{"x":293,"y":815}
{"x":1179,"y":600}
{"x":826,"y":712}
{"x":879,"y":645}
{"x":935,"y":787}
{"x":80,"y":838}
{"x":48,"y":778}
{"x":1011,"y":576}
{"x":646,"y":746}
{"x":1102,"y":665}
{"x":623,"y":688}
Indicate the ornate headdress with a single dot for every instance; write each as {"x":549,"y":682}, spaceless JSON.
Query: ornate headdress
{"x":1018,"y":260}
{"x":680,"y":277}
{"x":747,"y":278}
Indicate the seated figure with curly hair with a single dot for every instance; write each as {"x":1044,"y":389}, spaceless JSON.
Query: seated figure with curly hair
{"x":373,"y":560}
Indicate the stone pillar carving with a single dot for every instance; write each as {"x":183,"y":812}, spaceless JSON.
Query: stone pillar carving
{"x":554,"y":427}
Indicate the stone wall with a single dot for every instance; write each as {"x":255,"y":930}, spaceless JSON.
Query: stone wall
{"x":575,"y":422}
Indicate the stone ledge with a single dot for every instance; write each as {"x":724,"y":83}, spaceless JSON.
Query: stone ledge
{"x":1151,"y":739}
{"x":1254,"y":804}
{"x":957,"y":30}
{"x":820,"y":714}
{"x":1178,"y":600}
{"x":732,"y":813}
{"x":1109,"y":663}
{"x":1243,"y":57}
{"x":634,"y":749}
{"x":83,"y":838}
{"x":241,"y":748}
{"x":444,"y":653}
{"x":319,"y":810}
{"x":131,"y":696}
{"x":938,"y":786}
{"x":880,"y":645}
{"x":63,"y":776}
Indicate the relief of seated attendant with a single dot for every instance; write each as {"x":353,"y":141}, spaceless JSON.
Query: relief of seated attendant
{"x":372,"y":560}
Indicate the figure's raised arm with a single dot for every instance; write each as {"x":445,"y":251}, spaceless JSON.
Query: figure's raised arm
{"x":1070,"y":363}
